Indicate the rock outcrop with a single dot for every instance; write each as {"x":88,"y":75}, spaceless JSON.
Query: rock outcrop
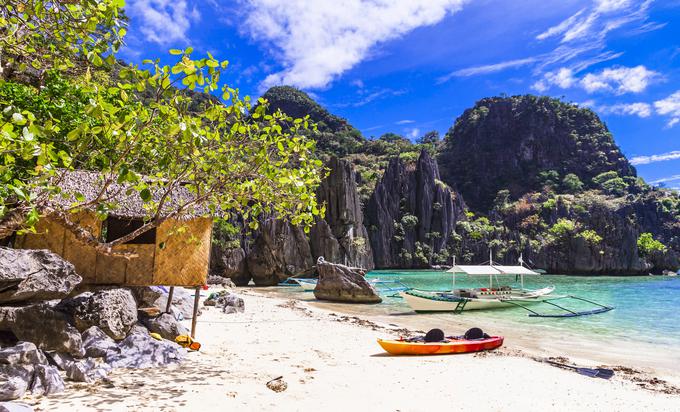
{"x":341,"y":236}
{"x":44,"y":325}
{"x":227,"y":301}
{"x":506,"y":142}
{"x":340,"y":283}
{"x":34,"y":275}
{"x":142,"y":351}
{"x":280,"y":250}
{"x":114,"y":311}
{"x":165,"y":325}
{"x":24,"y":367}
{"x":229,"y":262}
{"x":97,"y":344}
{"x":411,"y":215}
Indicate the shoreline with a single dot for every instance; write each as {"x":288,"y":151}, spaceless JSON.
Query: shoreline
{"x":536,"y":340}
{"x":331,"y":361}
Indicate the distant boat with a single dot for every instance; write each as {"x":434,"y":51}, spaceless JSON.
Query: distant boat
{"x":495,"y":296}
{"x":492,"y":297}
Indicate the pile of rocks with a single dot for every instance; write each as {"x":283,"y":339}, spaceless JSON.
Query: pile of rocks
{"x":225,"y":300}
{"x":48,"y":333}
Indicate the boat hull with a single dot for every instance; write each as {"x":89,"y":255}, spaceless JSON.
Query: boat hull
{"x":306,"y":285}
{"x":400,"y":347}
{"x":423,"y":304}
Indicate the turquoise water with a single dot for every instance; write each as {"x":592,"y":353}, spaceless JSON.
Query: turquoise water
{"x":647,"y":308}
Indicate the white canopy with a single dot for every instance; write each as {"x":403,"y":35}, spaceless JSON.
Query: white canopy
{"x":490,"y":270}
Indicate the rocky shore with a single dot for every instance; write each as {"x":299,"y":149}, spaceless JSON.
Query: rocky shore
{"x":52,"y":329}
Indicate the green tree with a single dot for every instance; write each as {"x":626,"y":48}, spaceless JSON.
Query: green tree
{"x":231,"y":156}
{"x":647,"y":245}
{"x":572,"y":184}
{"x":548,"y":178}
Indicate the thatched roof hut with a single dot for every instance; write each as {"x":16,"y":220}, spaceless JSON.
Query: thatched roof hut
{"x":174,"y":253}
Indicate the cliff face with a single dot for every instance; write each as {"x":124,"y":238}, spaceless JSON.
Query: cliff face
{"x":542,"y":178}
{"x":411,"y":215}
{"x":505,"y":143}
{"x":341,"y":236}
{"x":280,"y":250}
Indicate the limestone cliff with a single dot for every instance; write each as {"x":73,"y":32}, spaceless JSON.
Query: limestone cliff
{"x":341,"y":237}
{"x":411,"y":215}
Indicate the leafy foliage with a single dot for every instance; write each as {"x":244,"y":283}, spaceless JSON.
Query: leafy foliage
{"x":647,"y":245}
{"x":231,"y":156}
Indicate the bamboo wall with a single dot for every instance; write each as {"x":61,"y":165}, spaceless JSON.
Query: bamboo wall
{"x":180,"y":256}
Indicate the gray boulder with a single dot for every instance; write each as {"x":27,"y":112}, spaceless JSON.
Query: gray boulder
{"x":49,"y":329}
{"x":227,"y":301}
{"x":156,"y":296}
{"x":97,"y":344}
{"x":12,"y":388}
{"x":84,"y":370}
{"x":143,"y":351}
{"x":165,"y":325}
{"x":15,"y":407}
{"x":137,"y":329}
{"x":46,"y":381}
{"x":340,"y":283}
{"x":22,"y":352}
{"x":114,"y":311}
{"x":34,"y":275}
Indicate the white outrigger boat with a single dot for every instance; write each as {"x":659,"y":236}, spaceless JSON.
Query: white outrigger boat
{"x":492,"y":297}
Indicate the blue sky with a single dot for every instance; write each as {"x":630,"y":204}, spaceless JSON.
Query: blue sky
{"x":411,"y":66}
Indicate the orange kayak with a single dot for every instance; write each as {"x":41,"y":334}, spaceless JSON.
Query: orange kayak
{"x":403,"y":347}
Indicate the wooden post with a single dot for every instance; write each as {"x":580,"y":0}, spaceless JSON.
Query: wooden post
{"x":195,"y":316}
{"x":167,"y":306}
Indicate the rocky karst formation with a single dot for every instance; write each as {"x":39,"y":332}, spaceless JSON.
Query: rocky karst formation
{"x":341,"y":236}
{"x":526,"y":166}
{"x":411,"y":215}
{"x":280,"y":250}
{"x":505,"y":143}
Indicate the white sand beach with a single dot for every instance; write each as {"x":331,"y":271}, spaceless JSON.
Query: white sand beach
{"x":332,"y":362}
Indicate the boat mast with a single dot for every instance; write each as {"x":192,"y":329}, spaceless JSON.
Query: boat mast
{"x":453,"y":275}
{"x":490,"y":264}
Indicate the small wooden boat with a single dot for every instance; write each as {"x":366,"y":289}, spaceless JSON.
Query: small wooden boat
{"x":451,"y":345}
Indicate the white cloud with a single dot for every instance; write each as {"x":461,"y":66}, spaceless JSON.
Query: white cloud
{"x":405,"y":121}
{"x":637,"y":109}
{"x":670,"y":106}
{"x":665,"y":179}
{"x":489,"y":68}
{"x":643,"y":160}
{"x":620,"y":79}
{"x":560,"y":28}
{"x":581,"y":28}
{"x":603,"y":17}
{"x":163,"y":21}
{"x":318,"y":41}
{"x":413,"y":133}
{"x":607,"y":6}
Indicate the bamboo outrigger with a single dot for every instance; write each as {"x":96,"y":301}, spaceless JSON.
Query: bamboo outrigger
{"x":495,"y":296}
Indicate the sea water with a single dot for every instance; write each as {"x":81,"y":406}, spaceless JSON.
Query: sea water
{"x":646,"y":308}
{"x":643,"y":329}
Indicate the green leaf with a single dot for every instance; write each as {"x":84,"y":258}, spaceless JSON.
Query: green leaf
{"x":175,"y":51}
{"x":145,"y":195}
